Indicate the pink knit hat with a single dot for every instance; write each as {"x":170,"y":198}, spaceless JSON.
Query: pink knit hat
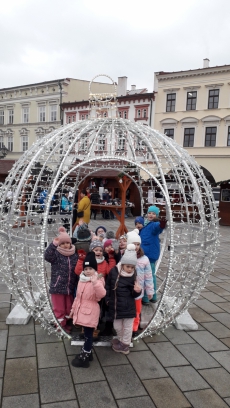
{"x":63,"y":236}
{"x":107,"y":243}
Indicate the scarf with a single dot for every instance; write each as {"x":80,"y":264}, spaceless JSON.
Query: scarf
{"x":122,"y":272}
{"x":66,"y":252}
{"x":84,"y":278}
{"x":99,"y":261}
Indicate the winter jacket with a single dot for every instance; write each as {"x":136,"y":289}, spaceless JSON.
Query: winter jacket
{"x":63,"y":279}
{"x":95,"y":198}
{"x":102,"y":267}
{"x":66,"y":205}
{"x":150,"y":242}
{"x":121,"y":301}
{"x":84,"y":205}
{"x":42,"y":199}
{"x":85,"y":309}
{"x":144,"y":276}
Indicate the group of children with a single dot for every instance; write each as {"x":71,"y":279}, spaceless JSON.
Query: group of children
{"x":118,"y":275}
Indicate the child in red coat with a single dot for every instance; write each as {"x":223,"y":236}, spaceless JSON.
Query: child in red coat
{"x":103,"y":267}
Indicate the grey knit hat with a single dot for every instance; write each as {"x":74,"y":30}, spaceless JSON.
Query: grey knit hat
{"x":95,"y":244}
{"x":110,"y":235}
{"x":130,"y":256}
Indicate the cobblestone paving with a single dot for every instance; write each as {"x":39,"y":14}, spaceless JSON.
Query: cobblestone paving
{"x":176,"y":369}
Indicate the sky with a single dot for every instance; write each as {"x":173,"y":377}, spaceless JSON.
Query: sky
{"x":51,"y":39}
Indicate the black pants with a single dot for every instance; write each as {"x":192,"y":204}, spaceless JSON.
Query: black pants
{"x":88,"y":332}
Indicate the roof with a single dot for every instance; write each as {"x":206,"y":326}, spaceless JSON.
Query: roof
{"x":137,"y":91}
{"x":37,"y":83}
{"x":192,"y":70}
{"x":6,"y":166}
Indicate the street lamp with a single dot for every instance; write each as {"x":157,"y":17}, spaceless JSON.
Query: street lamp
{"x":3,"y":152}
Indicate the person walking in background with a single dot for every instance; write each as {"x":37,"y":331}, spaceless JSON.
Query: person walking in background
{"x":121,"y":291}
{"x":95,"y":199}
{"x":83,"y":209}
{"x":150,"y":243}
{"x":66,"y":208}
{"x":63,"y":259}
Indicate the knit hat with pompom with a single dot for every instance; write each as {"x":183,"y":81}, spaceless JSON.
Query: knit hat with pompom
{"x":63,"y":236}
{"x":133,"y":236}
{"x":95,"y":244}
{"x":130,"y":256}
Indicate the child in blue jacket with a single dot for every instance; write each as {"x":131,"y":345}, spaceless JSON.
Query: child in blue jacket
{"x":150,"y":244}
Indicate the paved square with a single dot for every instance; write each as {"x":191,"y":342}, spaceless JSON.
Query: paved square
{"x":176,"y":369}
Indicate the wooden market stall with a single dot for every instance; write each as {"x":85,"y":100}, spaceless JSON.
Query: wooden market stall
{"x":224,"y":206}
{"x":122,"y":189}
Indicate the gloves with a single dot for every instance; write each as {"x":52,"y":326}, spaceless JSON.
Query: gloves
{"x":111,"y":253}
{"x":163,"y":223}
{"x":81,"y":254}
{"x":115,"y":245}
{"x":56,"y":241}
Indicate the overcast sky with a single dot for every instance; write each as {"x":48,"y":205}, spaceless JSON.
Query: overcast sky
{"x":50,"y":39}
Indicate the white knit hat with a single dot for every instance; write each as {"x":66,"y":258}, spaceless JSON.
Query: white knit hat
{"x":130,"y":256}
{"x":133,"y":236}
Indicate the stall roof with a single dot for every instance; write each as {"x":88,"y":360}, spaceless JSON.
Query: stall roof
{"x":6,"y":166}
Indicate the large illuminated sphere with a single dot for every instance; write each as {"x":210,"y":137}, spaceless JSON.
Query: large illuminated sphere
{"x":66,"y":157}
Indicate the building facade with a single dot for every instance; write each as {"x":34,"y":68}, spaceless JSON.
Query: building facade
{"x":193,"y":108}
{"x":136,"y":105}
{"x":29,"y":112}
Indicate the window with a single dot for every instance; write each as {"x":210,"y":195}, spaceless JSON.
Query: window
{"x":2,"y":117}
{"x":101,"y":142}
{"x":191,"y":100}
{"x":42,"y":113}
{"x":138,"y":113}
{"x":25,"y":116}
{"x":171,"y":102}
{"x":1,"y":142}
{"x":11,"y":116}
{"x":83,"y":142}
{"x":169,"y":133}
{"x":189,"y":137}
{"x":228,"y":140}
{"x":144,"y":113}
{"x":24,"y":143}
{"x":140,"y":145}
{"x":210,"y":136}
{"x":10,"y":143}
{"x":213,"y":99}
{"x":123,"y":114}
{"x":121,"y":142}
{"x":53,"y":113}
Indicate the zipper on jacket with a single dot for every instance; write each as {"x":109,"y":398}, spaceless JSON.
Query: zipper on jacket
{"x":69,"y":276}
{"x":57,"y":281}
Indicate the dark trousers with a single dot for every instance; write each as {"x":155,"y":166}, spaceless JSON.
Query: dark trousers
{"x":88,"y":332}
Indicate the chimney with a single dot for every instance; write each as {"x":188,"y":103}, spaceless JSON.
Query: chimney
{"x":206,"y":63}
{"x":122,"y":86}
{"x":133,"y":87}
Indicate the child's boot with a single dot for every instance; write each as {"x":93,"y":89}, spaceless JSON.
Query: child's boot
{"x":121,"y":348}
{"x":81,"y":360}
{"x":90,"y":354}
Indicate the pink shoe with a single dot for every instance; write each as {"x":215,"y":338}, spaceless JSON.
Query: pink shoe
{"x":121,"y":348}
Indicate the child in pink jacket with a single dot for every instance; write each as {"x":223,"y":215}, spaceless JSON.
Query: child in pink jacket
{"x":86,"y":310}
